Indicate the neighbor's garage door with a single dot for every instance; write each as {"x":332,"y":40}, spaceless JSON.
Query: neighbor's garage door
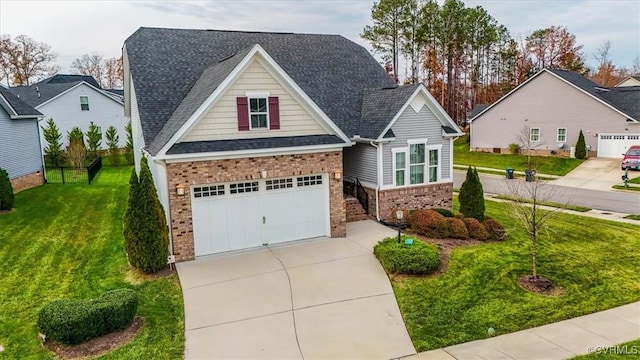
{"x":614,"y":145}
{"x":246,"y":214}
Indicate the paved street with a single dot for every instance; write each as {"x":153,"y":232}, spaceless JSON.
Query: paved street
{"x":602,"y":200}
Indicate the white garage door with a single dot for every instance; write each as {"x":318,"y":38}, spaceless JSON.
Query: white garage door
{"x":246,"y":214}
{"x":614,"y":145}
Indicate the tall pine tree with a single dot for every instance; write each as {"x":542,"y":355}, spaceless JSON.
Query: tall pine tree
{"x":53,"y":137}
{"x":581,"y":147}
{"x":6,"y":191}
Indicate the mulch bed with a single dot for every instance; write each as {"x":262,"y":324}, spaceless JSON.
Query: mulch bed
{"x":98,"y":346}
{"x":136,"y":277}
{"x":539,"y":285}
{"x":3,"y":212}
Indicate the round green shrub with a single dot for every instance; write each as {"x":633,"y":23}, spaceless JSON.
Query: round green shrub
{"x":429,"y":223}
{"x":6,"y":191}
{"x":457,"y":229}
{"x":418,"y":259}
{"x":72,"y":321}
{"x":495,"y":229}
{"x":444,"y":212}
{"x":476,"y":229}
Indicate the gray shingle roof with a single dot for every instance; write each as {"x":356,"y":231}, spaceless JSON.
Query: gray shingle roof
{"x":478,"y":109}
{"x":19,"y":106}
{"x":379,"y":106}
{"x":616,"y":97}
{"x":330,"y":69}
{"x":252,"y":144}
{"x":49,"y":88}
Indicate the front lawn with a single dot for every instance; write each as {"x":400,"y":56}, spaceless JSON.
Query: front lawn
{"x":549,"y":165}
{"x":65,"y":241}
{"x":595,"y":262}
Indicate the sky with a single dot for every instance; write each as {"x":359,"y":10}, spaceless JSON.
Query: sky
{"x":73,"y":28}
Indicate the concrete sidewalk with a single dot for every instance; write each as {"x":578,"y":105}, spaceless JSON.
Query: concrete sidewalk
{"x":562,"y":340}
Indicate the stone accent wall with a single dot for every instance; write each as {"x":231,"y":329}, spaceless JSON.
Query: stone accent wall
{"x":221,"y":171}
{"x":27,"y":181}
{"x":413,"y":197}
{"x":537,"y":152}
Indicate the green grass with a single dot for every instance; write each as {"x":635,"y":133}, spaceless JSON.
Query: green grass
{"x":632,"y":349}
{"x":594,"y":261}
{"x":65,"y":241}
{"x":622,"y":187}
{"x":632,"y":217}
{"x":544,"y":164}
{"x":635,"y":180}
{"x":548,"y":203}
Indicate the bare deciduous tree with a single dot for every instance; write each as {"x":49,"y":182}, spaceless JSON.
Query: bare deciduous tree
{"x":107,"y":72}
{"x":113,"y":74}
{"x":24,"y":60}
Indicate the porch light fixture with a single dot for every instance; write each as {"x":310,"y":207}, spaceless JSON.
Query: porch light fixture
{"x":180,"y":189}
{"x":337,"y":174}
{"x":399,"y":215}
{"x":263,"y":173}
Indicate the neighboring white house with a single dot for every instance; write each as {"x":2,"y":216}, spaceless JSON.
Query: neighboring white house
{"x":75,"y":100}
{"x":630,"y":81}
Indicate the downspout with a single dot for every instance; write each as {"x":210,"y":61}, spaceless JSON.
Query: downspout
{"x":378,"y":178}
{"x":44,"y":168}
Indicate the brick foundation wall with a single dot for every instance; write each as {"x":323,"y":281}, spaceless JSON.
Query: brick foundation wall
{"x":27,"y":181}
{"x":413,"y":197}
{"x":537,"y":152}
{"x":220,"y":171}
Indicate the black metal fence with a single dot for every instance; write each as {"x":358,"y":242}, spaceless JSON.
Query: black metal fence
{"x":73,"y":175}
{"x":362,"y":195}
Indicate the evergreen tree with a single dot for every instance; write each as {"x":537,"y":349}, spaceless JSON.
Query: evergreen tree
{"x":52,"y":136}
{"x":112,"y":142}
{"x":94,"y":139}
{"x":6,"y":191}
{"x":128,"y":148}
{"x":146,"y":233}
{"x":581,"y":147}
{"x":471,"y":196}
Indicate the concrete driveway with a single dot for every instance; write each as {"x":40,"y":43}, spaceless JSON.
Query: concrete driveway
{"x":594,"y":174}
{"x":318,"y":299}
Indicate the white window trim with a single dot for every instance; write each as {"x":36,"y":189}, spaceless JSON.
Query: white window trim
{"x":408,"y":165}
{"x":81,"y":103}
{"x":566,"y":134}
{"x":266,"y":99}
{"x":424,"y":164}
{"x":531,"y":134}
{"x":394,"y":151}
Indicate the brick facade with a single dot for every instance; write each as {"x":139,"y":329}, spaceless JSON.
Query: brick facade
{"x":355,"y":211}
{"x":221,"y":171}
{"x":27,"y":181}
{"x":412,"y":197}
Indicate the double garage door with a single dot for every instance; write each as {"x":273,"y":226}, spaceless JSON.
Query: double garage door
{"x":246,"y":214}
{"x":614,"y":145}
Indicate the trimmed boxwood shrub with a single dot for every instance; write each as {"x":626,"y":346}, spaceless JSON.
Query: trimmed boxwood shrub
{"x":457,"y":229}
{"x":444,"y":212}
{"x":429,"y":223}
{"x":495,"y":229}
{"x":72,"y":321}
{"x":476,"y":229}
{"x":417,"y":259}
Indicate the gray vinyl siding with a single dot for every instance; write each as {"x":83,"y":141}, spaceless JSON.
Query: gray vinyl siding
{"x":411,"y":126}
{"x":360,"y":161}
{"x":19,"y":146}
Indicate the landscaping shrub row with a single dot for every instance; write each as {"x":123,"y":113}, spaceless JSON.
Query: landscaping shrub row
{"x":433,"y":224}
{"x":418,"y":258}
{"x":74,"y":321}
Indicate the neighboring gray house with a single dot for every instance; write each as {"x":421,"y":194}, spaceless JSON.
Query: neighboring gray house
{"x":75,"y":100}
{"x":20,"y":151}
{"x":552,"y":107}
{"x":253,"y":142}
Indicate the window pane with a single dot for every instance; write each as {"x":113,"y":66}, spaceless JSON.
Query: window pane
{"x":399,"y":177}
{"x":401,"y":160}
{"x":253,"y":105}
{"x":259,"y":121}
{"x":262,"y":105}
{"x":416,"y":174}
{"x":433,"y":157}
{"x":416,"y":154}
{"x":433,"y":174}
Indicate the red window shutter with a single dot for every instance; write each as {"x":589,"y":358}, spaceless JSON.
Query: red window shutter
{"x":243,"y":113}
{"x":274,"y":113}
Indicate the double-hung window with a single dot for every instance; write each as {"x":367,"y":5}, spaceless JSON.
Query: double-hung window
{"x":84,"y":103}
{"x":534,"y":134}
{"x":258,"y":113}
{"x":416,"y":164}
{"x":562,"y":135}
